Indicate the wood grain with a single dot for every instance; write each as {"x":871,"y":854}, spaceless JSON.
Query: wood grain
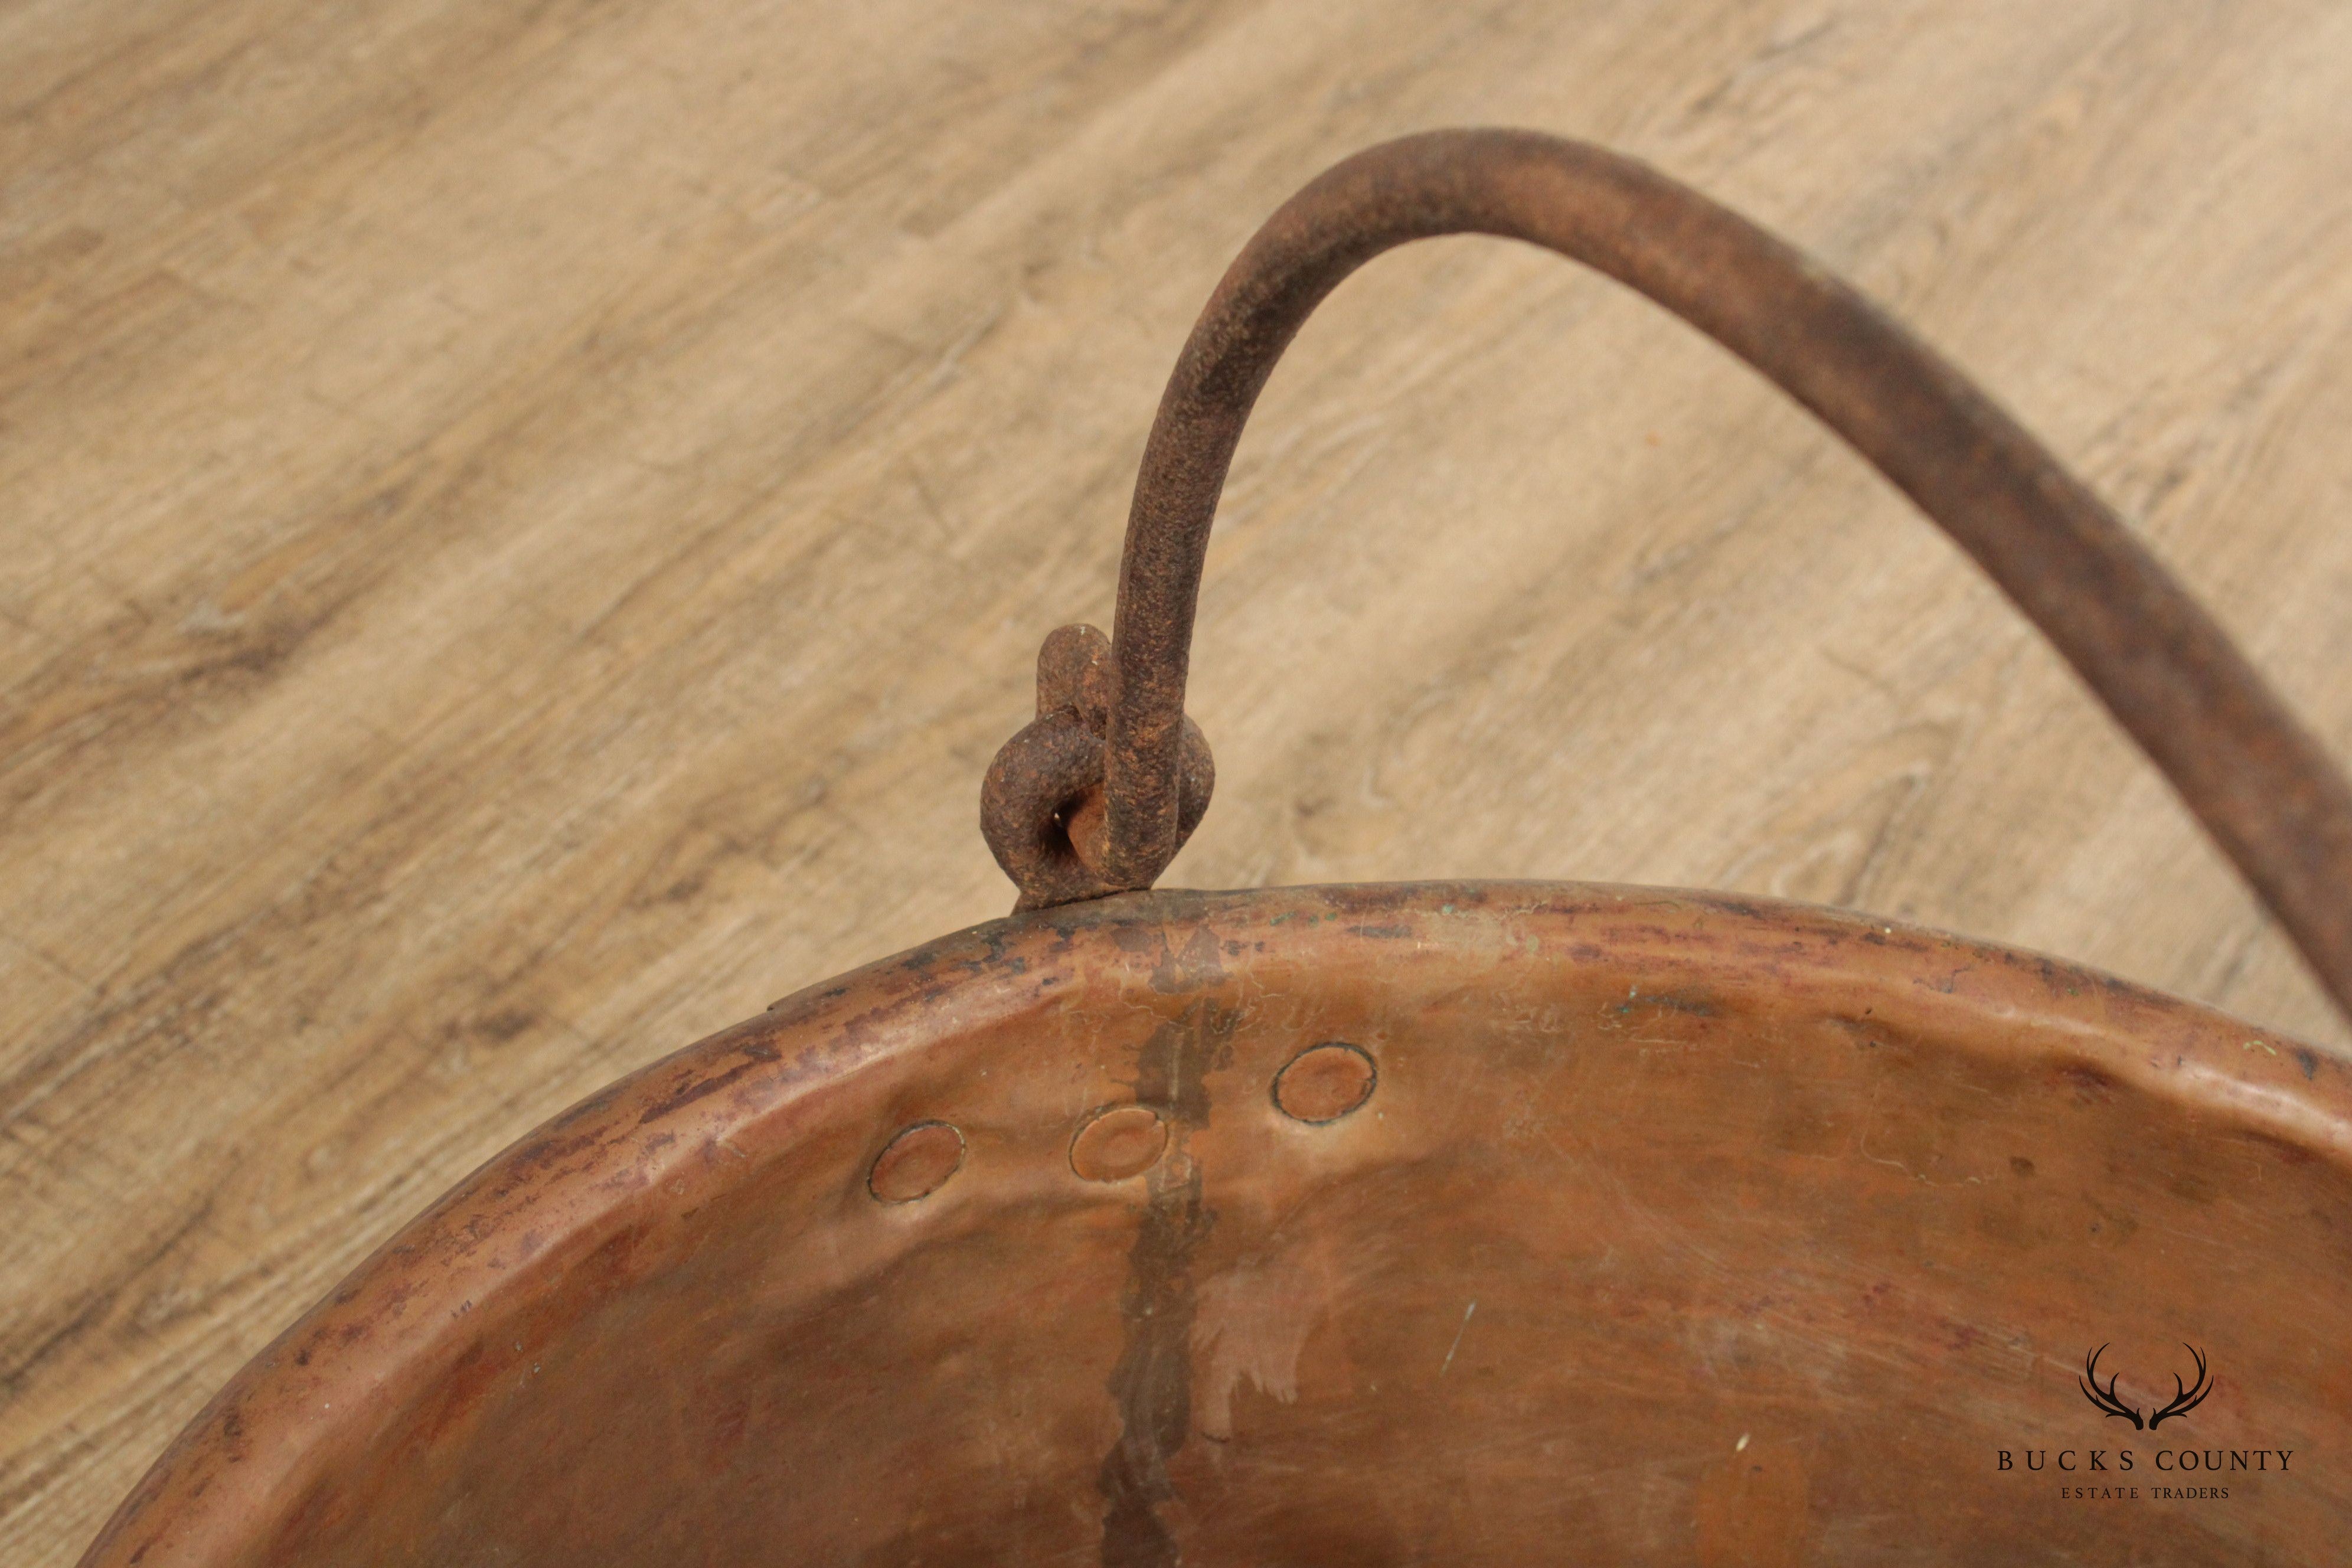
{"x":524,"y":524}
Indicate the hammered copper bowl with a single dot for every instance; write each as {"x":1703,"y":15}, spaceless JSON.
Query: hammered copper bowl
{"x":1477,"y":1223}
{"x":1673,"y":1227}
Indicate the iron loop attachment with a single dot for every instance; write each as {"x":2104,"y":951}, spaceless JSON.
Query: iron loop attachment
{"x":1041,"y":805}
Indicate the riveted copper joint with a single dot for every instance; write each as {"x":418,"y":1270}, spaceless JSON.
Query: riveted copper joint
{"x":917,"y":1163}
{"x":1325,"y":1082}
{"x":1118,"y":1142}
{"x":1043,"y":806}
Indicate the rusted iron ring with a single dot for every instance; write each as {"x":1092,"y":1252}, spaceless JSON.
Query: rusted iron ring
{"x":1042,"y":806}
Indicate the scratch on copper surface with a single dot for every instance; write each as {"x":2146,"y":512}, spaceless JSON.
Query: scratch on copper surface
{"x":1457,"y":1338}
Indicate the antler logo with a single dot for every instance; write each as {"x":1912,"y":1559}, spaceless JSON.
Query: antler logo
{"x":2184,"y":1400}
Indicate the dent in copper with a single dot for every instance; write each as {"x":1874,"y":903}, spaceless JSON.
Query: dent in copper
{"x":1679,"y":1229}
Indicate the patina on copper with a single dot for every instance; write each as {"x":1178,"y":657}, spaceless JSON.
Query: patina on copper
{"x":1679,"y":1229}
{"x":1472,"y":1222}
{"x":2257,"y":780}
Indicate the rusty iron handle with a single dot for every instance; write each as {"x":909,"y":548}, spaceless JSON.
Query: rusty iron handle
{"x":1100,"y":791}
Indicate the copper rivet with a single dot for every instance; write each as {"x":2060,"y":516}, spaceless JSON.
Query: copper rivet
{"x":916,"y":1164}
{"x":1125,"y":1140}
{"x":1325,"y":1082}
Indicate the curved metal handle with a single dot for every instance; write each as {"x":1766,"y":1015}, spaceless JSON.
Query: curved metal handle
{"x":1098,"y":793}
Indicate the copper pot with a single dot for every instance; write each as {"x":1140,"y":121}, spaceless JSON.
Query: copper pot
{"x":1498,"y":1223}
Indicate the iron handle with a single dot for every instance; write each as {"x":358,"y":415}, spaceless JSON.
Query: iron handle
{"x":1097,"y":794}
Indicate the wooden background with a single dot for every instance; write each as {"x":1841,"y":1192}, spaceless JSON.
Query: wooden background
{"x":524,"y":523}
